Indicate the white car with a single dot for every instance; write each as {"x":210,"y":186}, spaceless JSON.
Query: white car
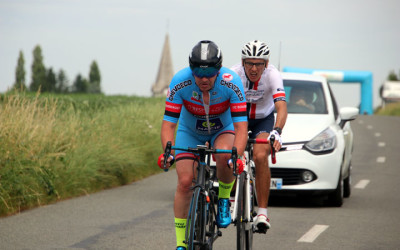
{"x":317,"y":141}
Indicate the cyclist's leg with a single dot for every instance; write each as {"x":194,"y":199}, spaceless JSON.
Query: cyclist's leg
{"x":263,"y":176}
{"x":261,"y":129}
{"x":185,"y":169}
{"x":224,"y":140}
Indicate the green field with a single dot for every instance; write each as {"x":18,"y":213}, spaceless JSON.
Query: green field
{"x":53,"y":147}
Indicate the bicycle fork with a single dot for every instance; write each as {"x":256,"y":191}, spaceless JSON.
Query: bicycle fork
{"x":250,"y":195}
{"x":247,"y":202}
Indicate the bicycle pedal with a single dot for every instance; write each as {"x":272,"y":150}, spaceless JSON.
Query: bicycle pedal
{"x":261,"y":229}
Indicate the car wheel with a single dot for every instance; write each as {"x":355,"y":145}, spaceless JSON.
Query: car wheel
{"x":347,"y":185}
{"x":336,"y":198}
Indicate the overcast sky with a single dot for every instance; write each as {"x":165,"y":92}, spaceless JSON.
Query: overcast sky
{"x":126,"y":37}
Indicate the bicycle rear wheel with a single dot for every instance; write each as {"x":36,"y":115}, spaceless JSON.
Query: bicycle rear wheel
{"x":195,"y":231}
{"x":240,"y":214}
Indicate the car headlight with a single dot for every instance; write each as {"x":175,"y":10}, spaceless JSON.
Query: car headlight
{"x":325,"y":141}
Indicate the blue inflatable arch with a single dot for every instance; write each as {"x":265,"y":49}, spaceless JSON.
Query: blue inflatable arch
{"x":363,"y":77}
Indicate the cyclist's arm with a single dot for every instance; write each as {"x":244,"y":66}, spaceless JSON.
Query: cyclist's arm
{"x":279,"y":97}
{"x":167,"y":133}
{"x":281,"y":114}
{"x":240,"y":136}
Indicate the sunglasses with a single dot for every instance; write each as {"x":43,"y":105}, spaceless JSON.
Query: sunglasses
{"x":205,"y":72}
{"x":251,"y":64}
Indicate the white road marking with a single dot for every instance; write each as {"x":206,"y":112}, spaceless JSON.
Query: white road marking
{"x":377,"y":134}
{"x":370,"y":127}
{"x":362,"y":184}
{"x":381,"y":144}
{"x":381,"y":159}
{"x":360,"y":121}
{"x":313,"y":233}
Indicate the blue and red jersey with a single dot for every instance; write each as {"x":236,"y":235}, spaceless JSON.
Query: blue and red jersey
{"x":184,"y":102}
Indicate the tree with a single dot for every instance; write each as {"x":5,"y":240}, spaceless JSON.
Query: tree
{"x":38,"y":70}
{"x":20,"y":73}
{"x":62,"y":82}
{"x":80,"y":84}
{"x":94,"y":78}
{"x":392,"y":76}
{"x":50,"y":83}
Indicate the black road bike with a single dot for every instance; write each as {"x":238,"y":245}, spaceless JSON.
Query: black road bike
{"x":201,"y":226}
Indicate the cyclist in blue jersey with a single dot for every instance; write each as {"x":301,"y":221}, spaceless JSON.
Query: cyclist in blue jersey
{"x":208,"y":101}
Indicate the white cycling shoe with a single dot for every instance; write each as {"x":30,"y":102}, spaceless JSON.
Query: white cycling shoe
{"x":262,"y":223}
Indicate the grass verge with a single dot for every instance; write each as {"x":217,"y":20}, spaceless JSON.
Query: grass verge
{"x":57,"y":147}
{"x":390,"y":109}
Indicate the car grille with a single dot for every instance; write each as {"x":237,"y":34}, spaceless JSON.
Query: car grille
{"x":289,"y":176}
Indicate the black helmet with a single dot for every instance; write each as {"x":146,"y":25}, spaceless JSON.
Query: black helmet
{"x":205,"y":54}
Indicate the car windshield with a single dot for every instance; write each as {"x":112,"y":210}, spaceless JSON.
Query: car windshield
{"x":305,"y":97}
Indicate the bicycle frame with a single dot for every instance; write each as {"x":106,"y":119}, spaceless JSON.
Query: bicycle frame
{"x":202,"y":212}
{"x":244,"y":196}
{"x":249,"y":184}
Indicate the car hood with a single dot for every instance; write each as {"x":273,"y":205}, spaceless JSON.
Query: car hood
{"x":302,"y":128}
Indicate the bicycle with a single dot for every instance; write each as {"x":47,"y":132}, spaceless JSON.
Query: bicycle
{"x":246,"y":196}
{"x":202,"y":229}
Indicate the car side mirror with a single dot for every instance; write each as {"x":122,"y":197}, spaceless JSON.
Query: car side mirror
{"x":348,"y":114}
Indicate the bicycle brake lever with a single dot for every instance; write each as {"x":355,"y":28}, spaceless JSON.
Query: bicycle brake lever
{"x":166,"y":155}
{"x":272,"y":141}
{"x":234,"y":160}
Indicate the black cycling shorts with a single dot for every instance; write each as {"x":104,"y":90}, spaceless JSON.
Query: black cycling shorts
{"x":264,"y":125}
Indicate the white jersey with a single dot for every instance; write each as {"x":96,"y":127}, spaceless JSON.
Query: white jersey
{"x":261,"y":95}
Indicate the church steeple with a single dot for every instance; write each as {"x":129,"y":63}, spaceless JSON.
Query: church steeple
{"x":165,"y":71}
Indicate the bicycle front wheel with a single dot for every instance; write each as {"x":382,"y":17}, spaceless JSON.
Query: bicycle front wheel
{"x":250,"y":207}
{"x":240,"y":214}
{"x":195,"y":230}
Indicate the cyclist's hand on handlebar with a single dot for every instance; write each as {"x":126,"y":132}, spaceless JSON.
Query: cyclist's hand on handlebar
{"x":278,"y":139}
{"x":239,"y":164}
{"x":170,"y":161}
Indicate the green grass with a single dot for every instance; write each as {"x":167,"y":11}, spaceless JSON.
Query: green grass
{"x":55,"y":147}
{"x":391,"y":109}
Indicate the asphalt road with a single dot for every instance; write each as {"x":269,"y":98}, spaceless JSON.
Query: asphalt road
{"x":139,"y":216}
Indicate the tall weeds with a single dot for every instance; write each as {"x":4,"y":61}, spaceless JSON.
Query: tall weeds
{"x":53,"y":148}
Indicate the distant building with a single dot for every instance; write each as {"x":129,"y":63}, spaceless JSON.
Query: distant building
{"x":165,"y":71}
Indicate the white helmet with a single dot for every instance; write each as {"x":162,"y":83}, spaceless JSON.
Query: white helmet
{"x":255,"y":50}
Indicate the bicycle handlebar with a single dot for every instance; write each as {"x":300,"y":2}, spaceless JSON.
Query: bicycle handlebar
{"x":265,"y":141}
{"x":202,"y":149}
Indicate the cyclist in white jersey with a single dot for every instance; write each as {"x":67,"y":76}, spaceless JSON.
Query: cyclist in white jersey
{"x":264,"y":91}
